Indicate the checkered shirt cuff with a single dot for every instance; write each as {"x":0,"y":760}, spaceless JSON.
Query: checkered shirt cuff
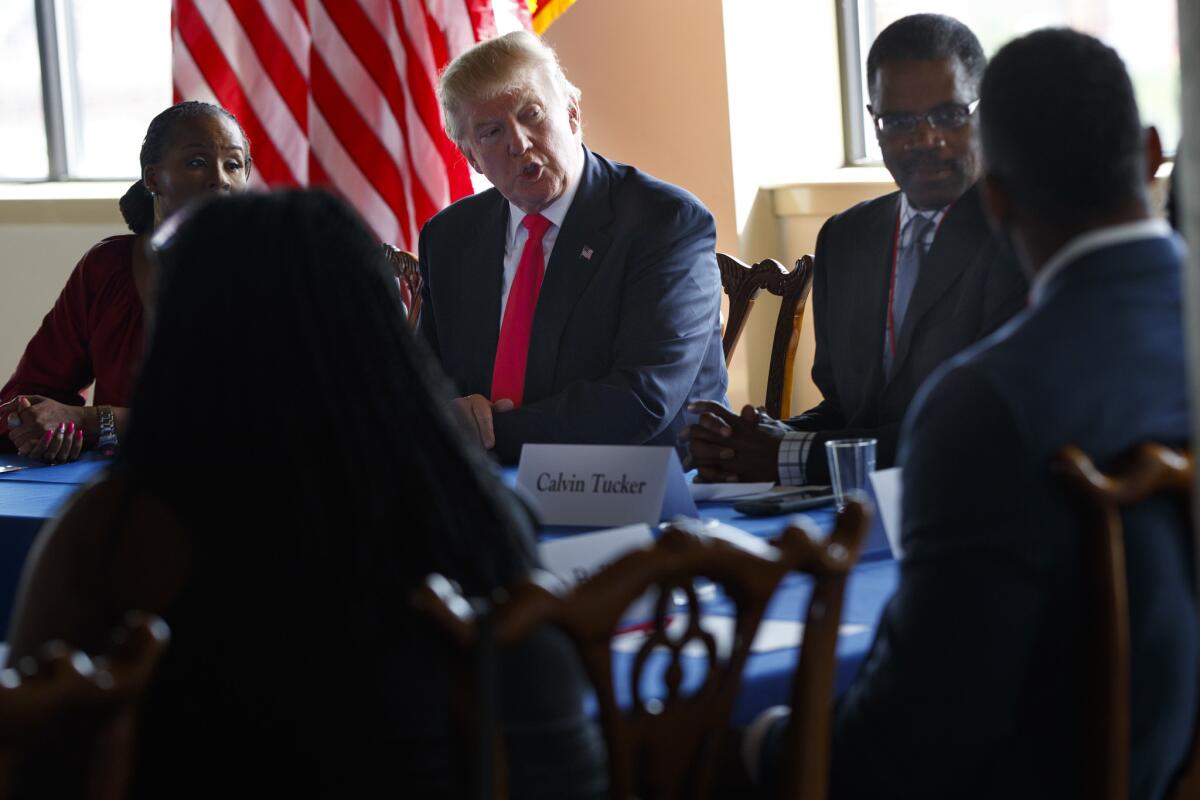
{"x":793,"y":455}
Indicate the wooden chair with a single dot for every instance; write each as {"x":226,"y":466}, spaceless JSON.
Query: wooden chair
{"x":812,"y":686}
{"x":670,"y":747}
{"x":408,"y":273}
{"x":742,"y":283}
{"x":60,"y":684}
{"x":1150,"y":469}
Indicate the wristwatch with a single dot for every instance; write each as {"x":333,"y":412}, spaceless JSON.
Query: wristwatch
{"x":107,"y":444}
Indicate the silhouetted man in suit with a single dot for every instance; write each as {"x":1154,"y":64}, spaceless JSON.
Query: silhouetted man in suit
{"x":579,"y":299}
{"x":975,"y":684}
{"x":902,"y":282}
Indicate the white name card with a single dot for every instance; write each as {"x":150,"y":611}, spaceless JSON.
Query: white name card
{"x":603,"y":485}
{"x":575,"y":558}
{"x":885,"y":491}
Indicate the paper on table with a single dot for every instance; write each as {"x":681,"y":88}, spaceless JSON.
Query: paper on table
{"x":773,"y":634}
{"x":12,"y":467}
{"x":575,"y":558}
{"x":726,"y":491}
{"x":885,"y":485}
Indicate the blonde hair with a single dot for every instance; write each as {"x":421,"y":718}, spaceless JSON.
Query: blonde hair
{"x":492,"y":68}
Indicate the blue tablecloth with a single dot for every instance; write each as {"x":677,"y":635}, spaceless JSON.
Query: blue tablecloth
{"x":28,"y":497}
{"x":36,"y":472}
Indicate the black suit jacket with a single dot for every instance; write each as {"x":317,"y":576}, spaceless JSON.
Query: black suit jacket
{"x":974,"y":685}
{"x":969,"y":285}
{"x":627,"y":329}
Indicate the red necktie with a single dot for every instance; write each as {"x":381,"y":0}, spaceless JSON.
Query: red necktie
{"x":512,"y":351}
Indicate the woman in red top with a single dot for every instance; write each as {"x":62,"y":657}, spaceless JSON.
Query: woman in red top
{"x":94,"y":332}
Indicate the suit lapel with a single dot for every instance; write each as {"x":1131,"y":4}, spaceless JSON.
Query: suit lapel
{"x":578,"y":253}
{"x":482,"y":270}
{"x":870,"y":294}
{"x":962,"y":234}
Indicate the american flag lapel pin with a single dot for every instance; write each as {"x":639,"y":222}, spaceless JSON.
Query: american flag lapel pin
{"x":586,"y":252}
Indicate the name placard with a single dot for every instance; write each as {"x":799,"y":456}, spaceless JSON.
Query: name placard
{"x":886,"y":486}
{"x":575,"y":558}
{"x":603,"y":485}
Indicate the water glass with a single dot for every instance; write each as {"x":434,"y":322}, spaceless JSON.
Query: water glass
{"x":851,"y":461}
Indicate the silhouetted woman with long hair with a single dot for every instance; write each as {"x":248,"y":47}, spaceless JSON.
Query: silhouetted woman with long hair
{"x":292,"y":471}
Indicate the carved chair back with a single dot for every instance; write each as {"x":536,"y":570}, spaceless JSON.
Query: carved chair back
{"x":1150,"y":469}
{"x":408,"y":273}
{"x":60,"y":684}
{"x":742,"y":283}
{"x":806,"y":773}
{"x":669,"y":744}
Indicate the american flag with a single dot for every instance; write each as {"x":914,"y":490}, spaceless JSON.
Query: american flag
{"x":341,"y":93}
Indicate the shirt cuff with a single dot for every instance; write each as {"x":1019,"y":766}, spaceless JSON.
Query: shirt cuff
{"x":793,"y":455}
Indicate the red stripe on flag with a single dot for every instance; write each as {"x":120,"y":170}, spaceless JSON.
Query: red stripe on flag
{"x":457,"y":173}
{"x":483,"y":19}
{"x":224,"y":83}
{"x":317,"y":176}
{"x":357,"y":138}
{"x":281,"y":68}
{"x":368,"y":45}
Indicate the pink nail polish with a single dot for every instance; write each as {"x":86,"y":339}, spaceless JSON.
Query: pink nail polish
{"x":79,"y":433}
{"x":70,"y":429}
{"x":48,"y":436}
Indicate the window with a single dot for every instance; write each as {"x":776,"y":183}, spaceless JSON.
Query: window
{"x":79,"y":82}
{"x":21,"y":126}
{"x":1144,"y":32}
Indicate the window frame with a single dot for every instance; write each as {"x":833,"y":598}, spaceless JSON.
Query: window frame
{"x":852,"y":52}
{"x":850,"y":57}
{"x":61,"y":104}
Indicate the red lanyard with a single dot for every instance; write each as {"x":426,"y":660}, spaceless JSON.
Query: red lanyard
{"x":891,"y":319}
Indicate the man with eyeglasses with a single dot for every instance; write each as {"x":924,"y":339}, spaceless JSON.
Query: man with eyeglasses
{"x":902,"y":282}
{"x":985,"y":670}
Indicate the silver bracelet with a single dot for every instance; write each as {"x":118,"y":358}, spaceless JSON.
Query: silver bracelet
{"x":107,"y":444}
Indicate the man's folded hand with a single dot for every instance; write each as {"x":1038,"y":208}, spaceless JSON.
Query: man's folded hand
{"x":725,"y":447}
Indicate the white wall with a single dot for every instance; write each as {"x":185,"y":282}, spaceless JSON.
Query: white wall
{"x":40,"y":242}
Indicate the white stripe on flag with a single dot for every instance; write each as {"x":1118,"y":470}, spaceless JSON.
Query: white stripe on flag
{"x":260,"y":90}
{"x":427,"y":161}
{"x":349,"y":180}
{"x":187,"y":76}
{"x":454,"y":19}
{"x":292,"y":30}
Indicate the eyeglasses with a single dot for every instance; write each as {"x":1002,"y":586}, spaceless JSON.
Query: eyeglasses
{"x":947,"y":115}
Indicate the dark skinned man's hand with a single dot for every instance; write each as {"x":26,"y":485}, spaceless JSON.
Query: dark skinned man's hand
{"x":726,"y":447}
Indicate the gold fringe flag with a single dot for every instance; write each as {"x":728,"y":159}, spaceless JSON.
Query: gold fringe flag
{"x":545,"y":12}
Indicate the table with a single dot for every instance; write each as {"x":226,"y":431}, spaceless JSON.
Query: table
{"x":30,"y":496}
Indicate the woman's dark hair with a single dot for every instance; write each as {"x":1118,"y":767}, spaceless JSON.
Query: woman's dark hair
{"x":137,"y":204}
{"x":287,"y":415}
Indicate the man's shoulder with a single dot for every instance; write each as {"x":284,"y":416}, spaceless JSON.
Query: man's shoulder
{"x":646,"y":192}
{"x":866,"y":211}
{"x":464,"y":211}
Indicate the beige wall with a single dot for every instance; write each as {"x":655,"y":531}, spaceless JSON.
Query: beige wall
{"x":40,"y":242}
{"x":654,"y":92}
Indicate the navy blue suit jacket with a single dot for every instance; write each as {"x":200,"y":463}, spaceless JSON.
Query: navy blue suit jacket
{"x":627,"y":329}
{"x":973,"y":686}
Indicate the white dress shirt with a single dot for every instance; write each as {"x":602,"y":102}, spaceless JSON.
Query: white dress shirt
{"x":795,"y":447}
{"x":514,"y":243}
